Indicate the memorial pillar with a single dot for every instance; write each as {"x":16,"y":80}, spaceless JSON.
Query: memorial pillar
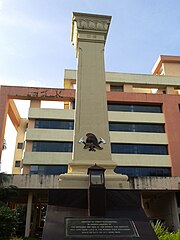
{"x":91,"y":143}
{"x":89,"y":34}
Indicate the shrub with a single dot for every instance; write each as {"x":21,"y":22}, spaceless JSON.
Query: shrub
{"x":171,"y":236}
{"x":163,"y":234}
{"x":159,"y":229}
{"x":8,"y":221}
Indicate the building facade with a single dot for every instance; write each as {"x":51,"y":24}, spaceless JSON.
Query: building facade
{"x":141,"y":109}
{"x":143,"y":117}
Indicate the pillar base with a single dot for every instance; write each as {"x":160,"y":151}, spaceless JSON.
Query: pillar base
{"x":80,"y":180}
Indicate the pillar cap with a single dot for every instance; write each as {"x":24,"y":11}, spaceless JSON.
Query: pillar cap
{"x":94,"y":26}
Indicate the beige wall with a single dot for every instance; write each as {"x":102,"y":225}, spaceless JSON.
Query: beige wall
{"x":128,"y":88}
{"x":136,"y":117}
{"x":172,"y":69}
{"x":142,"y":160}
{"x":139,"y":80}
{"x":46,"y":113}
{"x":18,"y":155}
{"x":137,"y":137}
{"x":47,"y":158}
{"x":112,"y":116}
{"x":119,"y":137}
{"x":49,"y":135}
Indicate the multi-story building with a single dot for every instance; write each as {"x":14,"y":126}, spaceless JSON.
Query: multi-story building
{"x":141,"y":109}
{"x":144,"y":126}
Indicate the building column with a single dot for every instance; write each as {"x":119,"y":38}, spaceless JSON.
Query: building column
{"x":162,"y":206}
{"x":128,"y":87}
{"x":34,"y":220}
{"x":3,"y":116}
{"x":18,"y":154}
{"x":170,"y":90}
{"x":174,"y":208}
{"x":28,"y":214}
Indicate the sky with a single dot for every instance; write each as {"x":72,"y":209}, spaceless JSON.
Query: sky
{"x":35,"y":45}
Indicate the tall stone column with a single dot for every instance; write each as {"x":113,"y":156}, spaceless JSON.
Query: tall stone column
{"x":88,"y":37}
{"x":89,"y":33}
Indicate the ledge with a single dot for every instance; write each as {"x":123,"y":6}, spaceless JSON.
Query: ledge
{"x":136,"y":183}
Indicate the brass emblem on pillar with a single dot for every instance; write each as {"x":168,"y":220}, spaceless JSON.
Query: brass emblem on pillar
{"x":91,"y":142}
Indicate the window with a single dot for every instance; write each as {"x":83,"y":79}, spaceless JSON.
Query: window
{"x":134,"y":108}
{"x":33,"y":169}
{"x":54,"y":124}
{"x":121,"y":148}
{"x":47,"y":170}
{"x":17,"y":163}
{"x":52,"y":146}
{"x":20,"y":145}
{"x":116,"y":148}
{"x":116,"y":88}
{"x":136,"y":127}
{"x":144,"y":171}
